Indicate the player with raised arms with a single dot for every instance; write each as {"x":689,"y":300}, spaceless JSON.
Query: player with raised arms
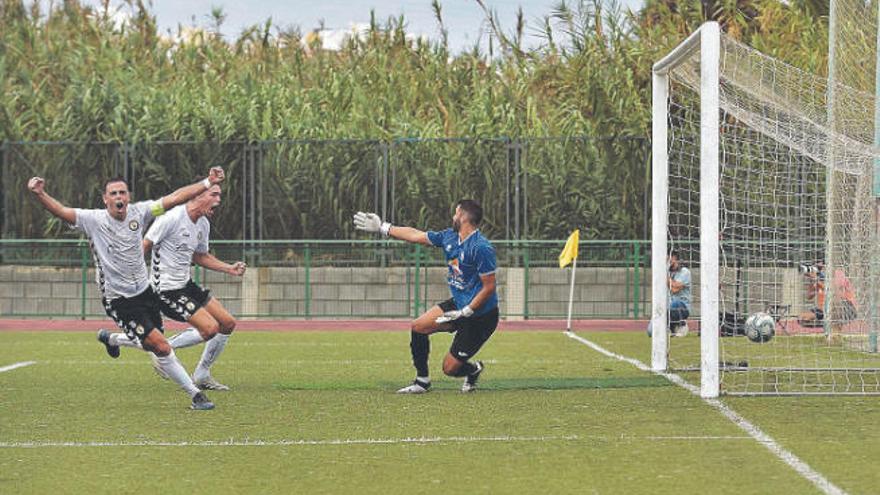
{"x":175,"y":241}
{"x":471,"y":313}
{"x":115,"y":234}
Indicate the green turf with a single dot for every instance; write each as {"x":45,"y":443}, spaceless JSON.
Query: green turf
{"x":553,"y":416}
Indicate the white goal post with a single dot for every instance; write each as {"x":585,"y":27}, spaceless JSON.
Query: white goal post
{"x":707,"y":42}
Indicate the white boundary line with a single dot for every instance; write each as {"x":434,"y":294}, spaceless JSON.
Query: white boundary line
{"x":288,"y":443}
{"x":354,"y":441}
{"x":16,"y":366}
{"x":764,"y":439}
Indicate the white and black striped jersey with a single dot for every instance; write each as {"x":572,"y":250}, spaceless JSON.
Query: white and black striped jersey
{"x":117,"y":247}
{"x":175,"y":238}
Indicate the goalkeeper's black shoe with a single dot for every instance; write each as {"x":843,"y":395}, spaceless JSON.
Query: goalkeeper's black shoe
{"x":470,"y":383}
{"x":104,"y":338}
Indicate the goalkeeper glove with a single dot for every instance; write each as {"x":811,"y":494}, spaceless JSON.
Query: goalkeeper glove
{"x":370,"y":222}
{"x":465,"y":312}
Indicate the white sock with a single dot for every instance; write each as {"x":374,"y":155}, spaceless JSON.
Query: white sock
{"x":424,"y":379}
{"x":171,"y":365}
{"x":212,"y":351}
{"x":186,"y":338}
{"x":122,"y":340}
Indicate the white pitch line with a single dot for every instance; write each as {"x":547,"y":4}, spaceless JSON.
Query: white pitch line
{"x":16,"y":366}
{"x":291,"y":443}
{"x":356,"y":441}
{"x":698,"y":437}
{"x":793,"y":461}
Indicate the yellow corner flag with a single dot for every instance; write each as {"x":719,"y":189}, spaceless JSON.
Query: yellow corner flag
{"x":570,"y":251}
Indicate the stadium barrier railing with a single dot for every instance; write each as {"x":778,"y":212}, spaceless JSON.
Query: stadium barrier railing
{"x":54,"y":278}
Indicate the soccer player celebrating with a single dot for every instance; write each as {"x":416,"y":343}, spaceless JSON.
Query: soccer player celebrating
{"x":177,"y":239}
{"x":115,"y":234}
{"x":471,"y":313}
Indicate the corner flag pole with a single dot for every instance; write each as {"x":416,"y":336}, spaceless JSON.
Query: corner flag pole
{"x":574,"y":265}
{"x":568,"y":255}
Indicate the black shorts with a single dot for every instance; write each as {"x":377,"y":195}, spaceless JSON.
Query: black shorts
{"x":137,"y":316}
{"x":181,"y":304}
{"x":470,"y":333}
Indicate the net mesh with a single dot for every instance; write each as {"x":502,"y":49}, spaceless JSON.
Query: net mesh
{"x":798,"y":228}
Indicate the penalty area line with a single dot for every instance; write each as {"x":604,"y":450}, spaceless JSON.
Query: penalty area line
{"x":16,"y":366}
{"x":786,"y":456}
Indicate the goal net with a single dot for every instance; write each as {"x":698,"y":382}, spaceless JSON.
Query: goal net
{"x":763,"y":183}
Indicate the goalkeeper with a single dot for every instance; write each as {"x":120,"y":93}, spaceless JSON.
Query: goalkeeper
{"x":471,"y":313}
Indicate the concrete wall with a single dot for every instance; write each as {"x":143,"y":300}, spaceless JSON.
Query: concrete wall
{"x":278,"y":292}
{"x":281,"y":292}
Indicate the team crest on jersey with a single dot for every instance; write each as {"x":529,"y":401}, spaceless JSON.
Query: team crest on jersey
{"x":453,"y":265}
{"x":133,"y":225}
{"x":190,"y":306}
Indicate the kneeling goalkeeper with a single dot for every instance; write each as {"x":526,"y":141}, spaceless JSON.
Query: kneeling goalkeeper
{"x":471,"y":313}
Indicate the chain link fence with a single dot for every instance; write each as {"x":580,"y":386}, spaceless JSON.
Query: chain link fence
{"x":529,"y":188}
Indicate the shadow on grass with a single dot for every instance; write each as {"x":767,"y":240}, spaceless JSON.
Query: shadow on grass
{"x":496,"y":384}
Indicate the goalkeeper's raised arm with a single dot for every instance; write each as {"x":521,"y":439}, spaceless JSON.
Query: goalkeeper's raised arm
{"x":370,"y":222}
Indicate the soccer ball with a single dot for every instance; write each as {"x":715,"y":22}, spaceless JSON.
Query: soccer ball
{"x":760,"y":327}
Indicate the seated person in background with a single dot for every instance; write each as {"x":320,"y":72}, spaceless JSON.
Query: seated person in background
{"x":678,"y":282}
{"x":843,"y":304}
{"x":814,"y":280}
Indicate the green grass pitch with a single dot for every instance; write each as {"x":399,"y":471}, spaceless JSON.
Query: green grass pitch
{"x":315,"y":412}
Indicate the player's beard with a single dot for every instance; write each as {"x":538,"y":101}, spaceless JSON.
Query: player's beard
{"x":456,"y":225}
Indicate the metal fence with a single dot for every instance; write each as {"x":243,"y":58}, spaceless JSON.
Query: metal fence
{"x":529,"y":188}
{"x":344,"y":279}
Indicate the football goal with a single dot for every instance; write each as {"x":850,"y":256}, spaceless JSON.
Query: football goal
{"x":764,"y":184}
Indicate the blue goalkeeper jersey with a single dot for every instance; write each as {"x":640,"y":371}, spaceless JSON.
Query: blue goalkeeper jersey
{"x":467,"y":260}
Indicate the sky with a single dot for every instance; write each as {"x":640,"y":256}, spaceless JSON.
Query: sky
{"x":464,"y":19}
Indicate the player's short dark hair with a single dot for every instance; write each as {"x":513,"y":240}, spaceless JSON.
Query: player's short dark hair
{"x":473,"y":210}
{"x":115,"y":179}
{"x":673,"y":253}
